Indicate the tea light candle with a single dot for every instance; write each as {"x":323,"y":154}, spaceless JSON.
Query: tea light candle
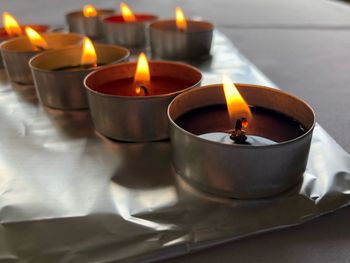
{"x":12,"y":29}
{"x":128,"y":101}
{"x":88,"y":21}
{"x":228,"y":148}
{"x":127,"y":29}
{"x":180,"y":39}
{"x":17,"y":52}
{"x":59,"y":74}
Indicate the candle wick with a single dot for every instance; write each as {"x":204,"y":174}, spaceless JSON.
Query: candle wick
{"x":39,"y":48}
{"x":238,"y":134}
{"x":145,"y":90}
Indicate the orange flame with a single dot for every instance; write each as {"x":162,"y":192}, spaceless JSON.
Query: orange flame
{"x":238,"y":109}
{"x":11,"y":25}
{"x":35,"y":38}
{"x":142,"y":74}
{"x":127,"y":14}
{"x":88,"y":56}
{"x":89,"y":11}
{"x":181,"y":23}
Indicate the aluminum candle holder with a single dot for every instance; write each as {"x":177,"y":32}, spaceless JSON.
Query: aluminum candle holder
{"x":141,"y":118}
{"x":89,"y":26}
{"x":4,"y":36}
{"x":129,"y":34}
{"x":64,"y":89}
{"x":17,"y":52}
{"x":168,"y":42}
{"x":240,"y":171}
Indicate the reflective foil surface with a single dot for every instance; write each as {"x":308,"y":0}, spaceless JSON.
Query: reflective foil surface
{"x":68,"y":194}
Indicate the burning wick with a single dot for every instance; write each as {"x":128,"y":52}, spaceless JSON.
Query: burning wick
{"x":238,"y":134}
{"x":88,"y":57}
{"x":238,"y":110}
{"x":142,"y":88}
{"x":142,"y":75}
{"x":181,"y":22}
{"x":37,"y":41}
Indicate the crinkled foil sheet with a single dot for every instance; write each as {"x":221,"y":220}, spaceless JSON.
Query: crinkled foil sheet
{"x":67,"y":194}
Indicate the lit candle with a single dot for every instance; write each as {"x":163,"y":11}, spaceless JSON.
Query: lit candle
{"x":180,"y":38}
{"x":88,"y":21}
{"x":128,"y":101}
{"x":12,"y":29}
{"x":88,"y":58}
{"x":128,"y":28}
{"x":59,"y":74}
{"x":253,"y":142}
{"x":18,"y":51}
{"x":143,"y":84}
{"x":238,"y":123}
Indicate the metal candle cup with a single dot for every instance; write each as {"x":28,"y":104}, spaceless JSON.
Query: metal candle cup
{"x":89,"y":26}
{"x":64,"y":89}
{"x":4,"y":36}
{"x":240,"y":171}
{"x":130,"y":34}
{"x":169,"y":42}
{"x":135,"y":119}
{"x":17,"y":52}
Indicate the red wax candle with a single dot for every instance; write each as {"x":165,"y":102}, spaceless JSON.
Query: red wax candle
{"x":129,"y":101}
{"x":158,"y":85}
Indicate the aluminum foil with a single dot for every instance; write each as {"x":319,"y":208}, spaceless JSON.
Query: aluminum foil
{"x":67,"y":194}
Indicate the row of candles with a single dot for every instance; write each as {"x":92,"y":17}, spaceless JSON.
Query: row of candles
{"x":222,"y":129}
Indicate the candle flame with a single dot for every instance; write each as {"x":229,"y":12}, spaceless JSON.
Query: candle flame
{"x":88,"y":56}
{"x":238,"y":109}
{"x":181,"y":23}
{"x":35,"y":38}
{"x":11,"y":25}
{"x":89,"y":11}
{"x":127,"y":13}
{"x":142,"y":74}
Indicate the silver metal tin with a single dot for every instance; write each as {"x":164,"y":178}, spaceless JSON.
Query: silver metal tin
{"x":4,"y":36}
{"x":241,"y":171}
{"x":65,"y":89}
{"x":89,"y":26}
{"x":168,"y":42}
{"x":129,"y":34}
{"x":135,"y":119}
{"x":17,"y":52}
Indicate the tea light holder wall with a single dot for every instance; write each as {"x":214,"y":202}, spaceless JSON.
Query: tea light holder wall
{"x":218,"y":165}
{"x":17,"y":52}
{"x":168,"y":42}
{"x":133,"y":35}
{"x":58,"y":78}
{"x":5,"y":36}
{"x":131,"y":118}
{"x":89,"y":26}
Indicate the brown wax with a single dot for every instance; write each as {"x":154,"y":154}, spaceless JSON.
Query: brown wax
{"x":265,"y":123}
{"x":157,"y":86}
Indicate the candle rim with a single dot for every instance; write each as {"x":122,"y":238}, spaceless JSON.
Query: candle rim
{"x":100,"y":11}
{"x":159,"y":96}
{"x":25,"y":38}
{"x":41,"y":28}
{"x":243,"y":146}
{"x":78,"y":47}
{"x":151,"y":17}
{"x":154,"y":26}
